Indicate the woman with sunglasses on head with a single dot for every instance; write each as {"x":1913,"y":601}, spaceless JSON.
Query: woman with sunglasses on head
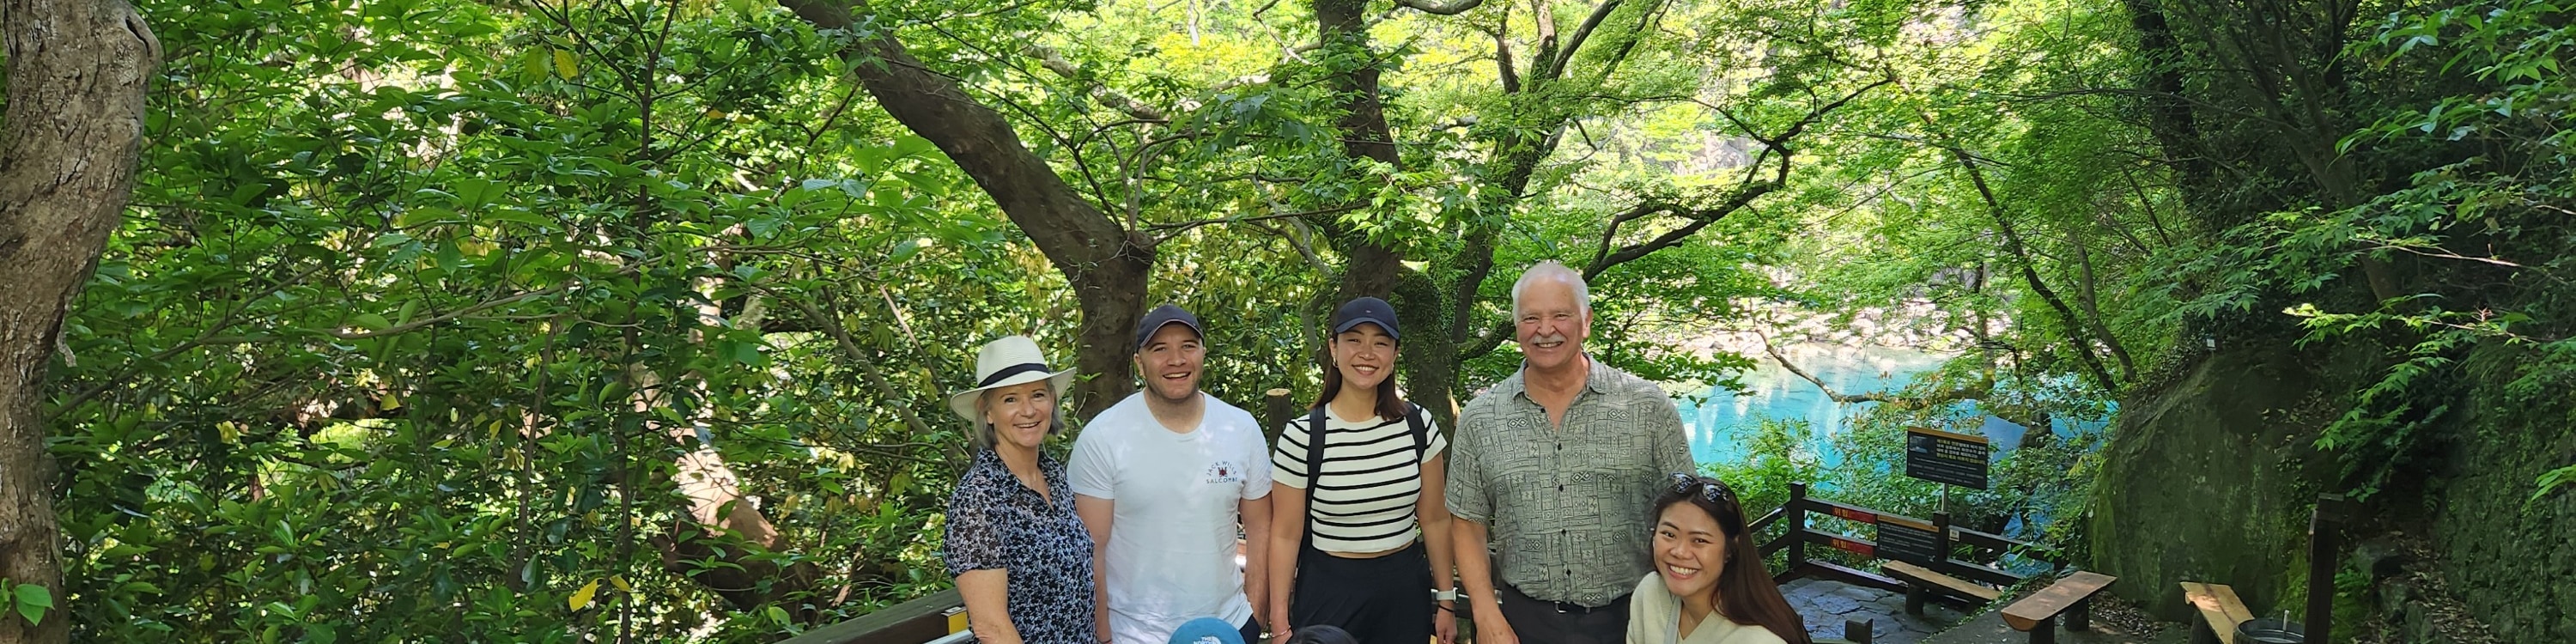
{"x":1709,"y":586}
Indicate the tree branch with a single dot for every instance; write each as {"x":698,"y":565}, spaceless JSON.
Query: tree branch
{"x":1055,"y":62}
{"x":1564,"y":57}
{"x":1179,"y":227}
{"x":868,"y":370}
{"x":1451,"y":9}
{"x":1742,"y":197}
{"x":408,"y":327}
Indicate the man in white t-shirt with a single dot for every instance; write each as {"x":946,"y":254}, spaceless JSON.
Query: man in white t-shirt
{"x":1161,"y":479}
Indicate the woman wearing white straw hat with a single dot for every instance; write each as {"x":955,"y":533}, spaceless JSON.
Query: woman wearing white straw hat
{"x":1021,"y":556}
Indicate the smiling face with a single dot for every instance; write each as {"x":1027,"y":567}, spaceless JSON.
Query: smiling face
{"x":1021,"y":414}
{"x":1550,"y":324}
{"x":1170,"y":363}
{"x":1690,"y":549}
{"x":1365,"y":355}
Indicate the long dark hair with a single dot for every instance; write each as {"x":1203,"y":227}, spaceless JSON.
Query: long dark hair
{"x":1389,"y":405}
{"x":1745,"y":593}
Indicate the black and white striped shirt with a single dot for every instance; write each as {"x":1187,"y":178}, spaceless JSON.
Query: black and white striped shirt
{"x":1372,"y":477}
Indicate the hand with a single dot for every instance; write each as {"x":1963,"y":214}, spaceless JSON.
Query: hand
{"x":1491,"y":629}
{"x":1444,"y":623}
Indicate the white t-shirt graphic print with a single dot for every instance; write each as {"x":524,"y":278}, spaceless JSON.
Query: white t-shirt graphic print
{"x":1171,"y":548}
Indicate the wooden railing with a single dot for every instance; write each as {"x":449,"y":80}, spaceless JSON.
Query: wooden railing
{"x":931,"y":619}
{"x":1947,"y":541}
{"x":940,"y":617}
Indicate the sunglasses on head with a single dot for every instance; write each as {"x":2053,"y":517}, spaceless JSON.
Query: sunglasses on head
{"x":1708,"y":489}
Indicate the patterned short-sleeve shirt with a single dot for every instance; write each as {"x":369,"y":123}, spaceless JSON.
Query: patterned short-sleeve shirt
{"x":1568,"y":506}
{"x":994,"y":522}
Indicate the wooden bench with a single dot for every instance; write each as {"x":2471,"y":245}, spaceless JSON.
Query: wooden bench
{"x":2069,"y":597}
{"x":1921,"y":583}
{"x":2220,"y":612}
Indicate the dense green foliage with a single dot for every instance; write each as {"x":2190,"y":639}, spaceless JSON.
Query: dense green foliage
{"x":515,"y":321}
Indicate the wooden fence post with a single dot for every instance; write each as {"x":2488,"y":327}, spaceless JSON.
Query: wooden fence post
{"x":2325,"y":531}
{"x":1275,"y":414}
{"x":1858,"y":630}
{"x":1797,"y":520}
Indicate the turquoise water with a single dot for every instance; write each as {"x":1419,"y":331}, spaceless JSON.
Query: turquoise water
{"x":1771,"y":391}
{"x":1717,"y":419}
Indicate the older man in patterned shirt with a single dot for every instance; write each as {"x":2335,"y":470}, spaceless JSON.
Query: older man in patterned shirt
{"x":1558,"y":465}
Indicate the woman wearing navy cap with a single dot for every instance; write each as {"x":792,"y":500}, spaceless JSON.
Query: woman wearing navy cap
{"x":1361,"y":540}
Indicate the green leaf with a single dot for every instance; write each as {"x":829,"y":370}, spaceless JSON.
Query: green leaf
{"x":908,"y":145}
{"x":33,"y":601}
{"x":2551,"y":481}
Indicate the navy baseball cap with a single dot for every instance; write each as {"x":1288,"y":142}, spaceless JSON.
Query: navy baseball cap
{"x":1207,"y":630}
{"x":1368,"y":310}
{"x":1165,"y":315}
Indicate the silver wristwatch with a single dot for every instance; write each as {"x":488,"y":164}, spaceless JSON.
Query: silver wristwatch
{"x":1447,"y":595}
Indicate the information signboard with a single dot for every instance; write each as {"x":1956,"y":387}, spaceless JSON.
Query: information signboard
{"x":1907,"y":540}
{"x":1943,"y":457}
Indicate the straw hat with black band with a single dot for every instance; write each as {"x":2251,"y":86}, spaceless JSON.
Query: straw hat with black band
{"x":1008,"y":360}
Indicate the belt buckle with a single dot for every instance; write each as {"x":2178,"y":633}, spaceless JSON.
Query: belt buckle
{"x":1568,"y":608}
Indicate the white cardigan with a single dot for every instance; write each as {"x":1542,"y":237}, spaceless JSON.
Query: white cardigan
{"x":1655,"y":617}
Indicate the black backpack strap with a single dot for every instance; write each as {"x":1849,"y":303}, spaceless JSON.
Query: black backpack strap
{"x":1314,"y":466}
{"x":1421,"y":433}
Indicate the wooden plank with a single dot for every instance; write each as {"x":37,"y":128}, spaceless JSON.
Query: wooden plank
{"x":1854,"y":545}
{"x":2000,"y":543}
{"x":1848,"y":575}
{"x":2031,"y":611}
{"x":912,"y":622}
{"x":1843,"y":511}
{"x":2219,"y":606}
{"x":1952,"y":586}
{"x":1758,"y":524}
{"x":1976,"y":572}
{"x":1779,"y":544}
{"x":1972,"y":438}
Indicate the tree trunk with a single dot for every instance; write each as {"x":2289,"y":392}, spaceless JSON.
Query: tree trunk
{"x":2169,"y":113}
{"x":2074,"y":325}
{"x":1107,"y":264}
{"x":1372,"y":268}
{"x":68,"y":146}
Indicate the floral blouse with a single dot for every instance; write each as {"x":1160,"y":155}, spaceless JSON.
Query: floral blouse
{"x":994,"y":522}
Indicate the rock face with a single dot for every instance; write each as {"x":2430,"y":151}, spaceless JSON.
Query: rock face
{"x":2511,"y":558}
{"x":2211,"y":477}
{"x":2202,"y":481}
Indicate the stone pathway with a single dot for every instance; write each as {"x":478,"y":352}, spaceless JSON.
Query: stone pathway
{"x":1990,"y":629}
{"x":1826,"y":604}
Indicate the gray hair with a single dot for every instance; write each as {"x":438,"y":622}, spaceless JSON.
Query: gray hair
{"x":982,"y":434}
{"x":1551,"y":270}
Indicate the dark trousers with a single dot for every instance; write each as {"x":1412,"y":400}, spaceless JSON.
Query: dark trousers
{"x":1545,"y":621}
{"x":1251,"y":630}
{"x":1386,"y":600}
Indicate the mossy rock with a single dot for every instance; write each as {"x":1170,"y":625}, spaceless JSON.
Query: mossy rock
{"x":2205,"y":480}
